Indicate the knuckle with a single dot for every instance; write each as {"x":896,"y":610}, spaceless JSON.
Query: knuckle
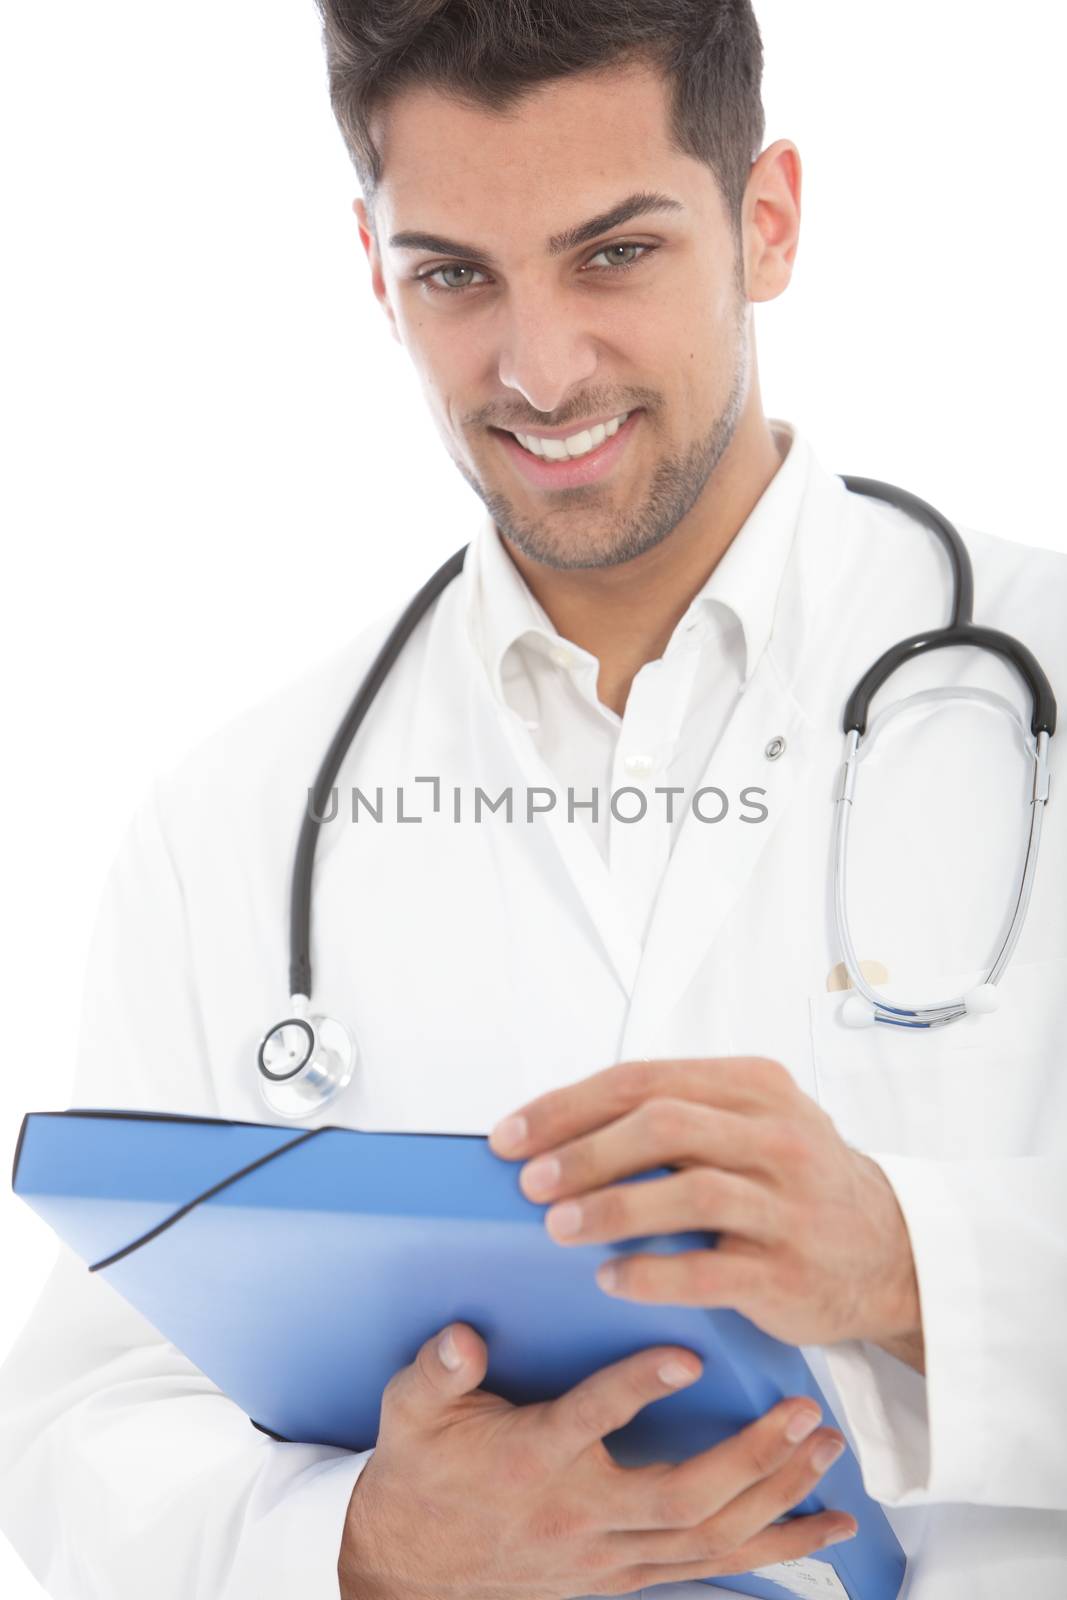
{"x":638,"y":1578}
{"x":664,"y":1118}
{"x":705,"y":1275}
{"x":787,"y":1145}
{"x":752,"y":1270}
{"x":705,"y":1189}
{"x":636,"y":1277}
{"x":425,"y":1379}
{"x":611,"y":1210}
{"x":590,"y":1413}
{"x":423,"y":1362}
{"x":767,"y":1447}
{"x":715,"y":1542}
{"x":393,"y":1387}
{"x":774,"y":1215}
{"x":594,"y":1556}
{"x":635,"y":1080}
{"x":800,"y":1536}
{"x":396,"y":1394}
{"x":678,"y":1508}
{"x":771,"y":1074}
{"x":628,"y":1580}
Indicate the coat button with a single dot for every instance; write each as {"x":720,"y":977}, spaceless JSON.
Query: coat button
{"x":639,"y":765}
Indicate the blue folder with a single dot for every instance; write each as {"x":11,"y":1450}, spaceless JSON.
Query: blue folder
{"x":300,"y":1270}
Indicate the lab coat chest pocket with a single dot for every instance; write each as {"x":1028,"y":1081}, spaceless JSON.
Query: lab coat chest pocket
{"x":993,"y":1085}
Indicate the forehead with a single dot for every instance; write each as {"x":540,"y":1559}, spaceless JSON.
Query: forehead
{"x":559,"y":153}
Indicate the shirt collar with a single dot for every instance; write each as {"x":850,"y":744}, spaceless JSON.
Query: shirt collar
{"x":501,"y":610}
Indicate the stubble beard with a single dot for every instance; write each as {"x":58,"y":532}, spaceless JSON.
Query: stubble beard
{"x":675,"y":486}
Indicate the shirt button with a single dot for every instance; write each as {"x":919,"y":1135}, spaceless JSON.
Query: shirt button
{"x":639,"y":766}
{"x":560,"y":657}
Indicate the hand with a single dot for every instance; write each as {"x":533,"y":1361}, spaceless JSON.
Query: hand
{"x":812,"y":1246}
{"x":469,"y":1496}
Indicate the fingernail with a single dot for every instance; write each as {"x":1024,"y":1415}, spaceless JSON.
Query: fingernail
{"x":564,"y":1220}
{"x":510,"y":1133}
{"x":607,"y":1276}
{"x":676,"y":1373}
{"x":825,"y":1454}
{"x":839,"y":1537}
{"x":446,"y":1349}
{"x":541,"y":1176}
{"x":801,"y":1423}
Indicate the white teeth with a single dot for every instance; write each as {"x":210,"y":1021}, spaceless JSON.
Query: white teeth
{"x":577,"y":444}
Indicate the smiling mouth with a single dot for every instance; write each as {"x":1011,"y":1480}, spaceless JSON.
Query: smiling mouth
{"x":573,"y":446}
{"x":577,"y":461}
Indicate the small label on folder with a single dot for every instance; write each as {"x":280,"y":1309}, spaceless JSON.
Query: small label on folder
{"x":811,"y":1580}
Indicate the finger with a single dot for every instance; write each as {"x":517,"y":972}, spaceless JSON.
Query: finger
{"x":613,"y":1396}
{"x":789,"y":1541}
{"x":662,"y":1131}
{"x":746,"y":1516}
{"x":447,"y":1366}
{"x":685,"y":1495}
{"x":699,"y":1198}
{"x":743,"y":1084}
{"x":732,"y":1275}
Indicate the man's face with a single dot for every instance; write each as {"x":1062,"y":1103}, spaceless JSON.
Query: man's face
{"x":516,"y":330}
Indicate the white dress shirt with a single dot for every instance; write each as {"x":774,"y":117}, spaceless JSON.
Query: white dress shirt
{"x":677,"y":705}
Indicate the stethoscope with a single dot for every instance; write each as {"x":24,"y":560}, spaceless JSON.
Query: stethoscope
{"x":306,"y":1059}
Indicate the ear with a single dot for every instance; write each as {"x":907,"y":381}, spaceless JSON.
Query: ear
{"x":369,"y":240}
{"x":771,"y":220}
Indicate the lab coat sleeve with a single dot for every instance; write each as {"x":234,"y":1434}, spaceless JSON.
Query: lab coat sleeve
{"x":124,"y":1471}
{"x":985,"y":1425}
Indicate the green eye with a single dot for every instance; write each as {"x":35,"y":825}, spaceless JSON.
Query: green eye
{"x":438,"y":272}
{"x":608,"y":248}
{"x":437,"y":279}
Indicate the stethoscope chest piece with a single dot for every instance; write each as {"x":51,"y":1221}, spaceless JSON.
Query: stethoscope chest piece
{"x":303,"y":1061}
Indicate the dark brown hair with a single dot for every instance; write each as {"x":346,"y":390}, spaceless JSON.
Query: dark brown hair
{"x":488,"y":52}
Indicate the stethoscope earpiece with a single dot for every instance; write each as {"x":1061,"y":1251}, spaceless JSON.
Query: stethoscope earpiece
{"x":857,"y":1012}
{"x":982,"y":999}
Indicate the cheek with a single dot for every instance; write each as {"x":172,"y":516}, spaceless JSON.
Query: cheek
{"x":690,"y":337}
{"x":439,"y":364}
{"x":449,"y":359}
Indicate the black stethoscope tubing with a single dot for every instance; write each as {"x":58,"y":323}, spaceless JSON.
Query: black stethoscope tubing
{"x":960,"y":630}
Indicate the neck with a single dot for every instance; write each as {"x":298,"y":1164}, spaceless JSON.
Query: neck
{"x":625,"y":615}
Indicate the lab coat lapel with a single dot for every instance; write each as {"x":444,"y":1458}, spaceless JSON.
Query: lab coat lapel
{"x":713,"y":861}
{"x":790,"y":694}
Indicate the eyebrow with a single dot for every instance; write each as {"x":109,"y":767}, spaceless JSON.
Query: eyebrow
{"x":635,"y":205}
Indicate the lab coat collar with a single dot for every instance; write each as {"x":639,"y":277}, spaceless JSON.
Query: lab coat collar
{"x":501,"y":610}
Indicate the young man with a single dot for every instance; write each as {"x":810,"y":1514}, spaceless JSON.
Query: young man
{"x":568,"y":217}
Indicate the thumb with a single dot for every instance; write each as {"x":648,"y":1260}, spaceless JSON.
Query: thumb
{"x":452,"y":1363}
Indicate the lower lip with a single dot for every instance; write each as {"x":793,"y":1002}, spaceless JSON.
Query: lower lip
{"x":571,"y":474}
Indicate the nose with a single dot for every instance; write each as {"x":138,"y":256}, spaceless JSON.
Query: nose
{"x":545,"y":352}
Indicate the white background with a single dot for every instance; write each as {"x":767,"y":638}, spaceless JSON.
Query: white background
{"x":210,"y":437}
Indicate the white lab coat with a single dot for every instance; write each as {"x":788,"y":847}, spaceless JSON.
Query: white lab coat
{"x":481,"y":964}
